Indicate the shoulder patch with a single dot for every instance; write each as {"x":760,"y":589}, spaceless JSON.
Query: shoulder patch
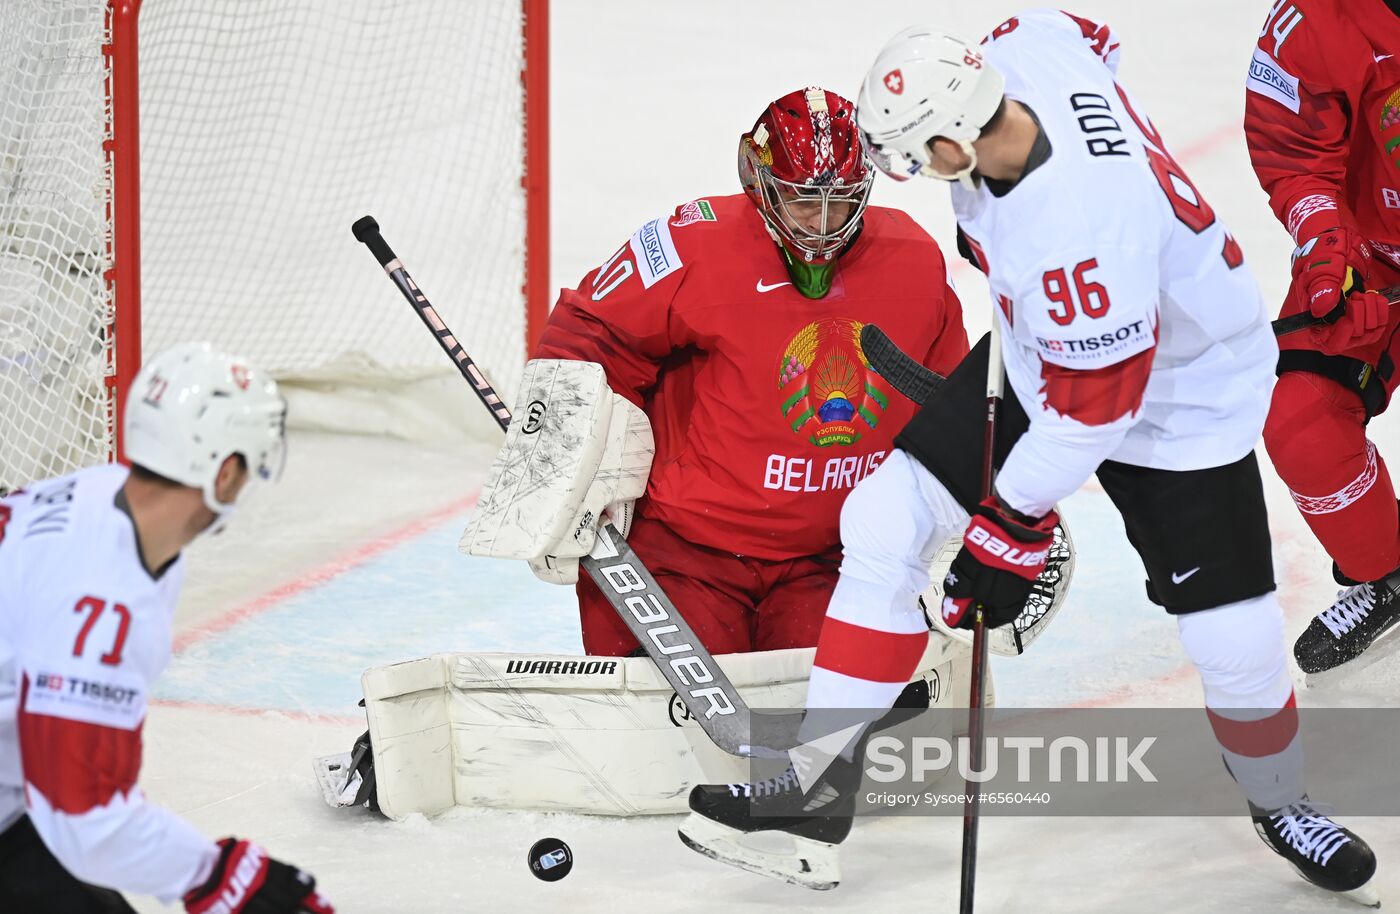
{"x":654,"y":252}
{"x":695,"y":211}
{"x":1268,"y":78}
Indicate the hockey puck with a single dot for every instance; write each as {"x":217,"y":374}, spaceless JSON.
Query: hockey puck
{"x":550,"y":859}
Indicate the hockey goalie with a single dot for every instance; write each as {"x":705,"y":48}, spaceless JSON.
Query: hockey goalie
{"x":596,"y":734}
{"x":711,"y":372}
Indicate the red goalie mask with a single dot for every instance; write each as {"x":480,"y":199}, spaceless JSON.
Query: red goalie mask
{"x":803,"y":167}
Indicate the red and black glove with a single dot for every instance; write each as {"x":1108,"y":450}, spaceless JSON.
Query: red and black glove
{"x":1330,"y":273}
{"x":1001,"y":556}
{"x":247,"y":881}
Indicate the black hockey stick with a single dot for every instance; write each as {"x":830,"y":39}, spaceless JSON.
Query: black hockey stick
{"x":975,"y":699}
{"x":902,"y":370}
{"x":648,"y":613}
{"x":1295,"y":322}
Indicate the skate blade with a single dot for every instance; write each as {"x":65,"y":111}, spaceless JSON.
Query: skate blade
{"x":810,"y":864}
{"x":1386,"y":644}
{"x":1365,"y":894}
{"x":338,"y":780}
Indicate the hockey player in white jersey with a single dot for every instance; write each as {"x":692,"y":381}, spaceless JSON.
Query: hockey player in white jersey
{"x":1137,"y":348}
{"x":90,"y":569}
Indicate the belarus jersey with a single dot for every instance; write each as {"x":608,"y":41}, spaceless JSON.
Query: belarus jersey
{"x":1131,"y":328}
{"x":764,"y":409}
{"x":1322,"y":116}
{"x":84,"y":631}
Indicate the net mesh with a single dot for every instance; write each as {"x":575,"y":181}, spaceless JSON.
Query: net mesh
{"x":53,"y":302}
{"x":267,"y":127}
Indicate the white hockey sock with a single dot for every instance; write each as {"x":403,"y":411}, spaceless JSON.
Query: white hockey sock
{"x":875,"y":632}
{"x":1240,"y":653}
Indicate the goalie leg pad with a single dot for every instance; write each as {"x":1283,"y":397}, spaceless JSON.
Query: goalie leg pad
{"x":602,"y":735}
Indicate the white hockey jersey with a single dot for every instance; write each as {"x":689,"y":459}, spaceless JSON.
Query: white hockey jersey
{"x":84,"y":631}
{"x":1131,"y":328}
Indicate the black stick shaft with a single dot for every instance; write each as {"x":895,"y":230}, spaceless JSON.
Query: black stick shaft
{"x":367,"y":231}
{"x":976,"y":705}
{"x":1295,"y":322}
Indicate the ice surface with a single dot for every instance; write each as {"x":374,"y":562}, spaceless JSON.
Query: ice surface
{"x":351,"y":561}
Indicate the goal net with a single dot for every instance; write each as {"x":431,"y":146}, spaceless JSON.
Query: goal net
{"x":266,"y":128}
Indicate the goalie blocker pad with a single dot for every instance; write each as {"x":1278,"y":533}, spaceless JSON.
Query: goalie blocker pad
{"x":573,"y":449}
{"x":601,"y":735}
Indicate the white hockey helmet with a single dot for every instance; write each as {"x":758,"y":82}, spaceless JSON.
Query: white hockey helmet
{"x":924,"y":84}
{"x":191,"y":407}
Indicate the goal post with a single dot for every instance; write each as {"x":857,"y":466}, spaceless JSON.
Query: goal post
{"x":175,"y":170}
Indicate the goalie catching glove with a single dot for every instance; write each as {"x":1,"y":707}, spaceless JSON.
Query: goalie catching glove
{"x":1001,"y":556}
{"x":575,"y":455}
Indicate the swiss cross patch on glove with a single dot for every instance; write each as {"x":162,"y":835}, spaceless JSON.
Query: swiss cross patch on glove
{"x":996,"y":568}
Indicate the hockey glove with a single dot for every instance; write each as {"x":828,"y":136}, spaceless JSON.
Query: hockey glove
{"x":1330,"y":271}
{"x":1001,"y":557}
{"x":247,"y":881}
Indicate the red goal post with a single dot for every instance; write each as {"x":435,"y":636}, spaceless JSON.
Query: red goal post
{"x":174,"y":170}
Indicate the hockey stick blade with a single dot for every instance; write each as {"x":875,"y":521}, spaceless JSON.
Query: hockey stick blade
{"x":902,"y":370}
{"x":667,"y":638}
{"x":1295,"y":322}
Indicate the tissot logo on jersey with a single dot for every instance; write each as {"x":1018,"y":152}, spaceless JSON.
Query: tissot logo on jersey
{"x":109,"y":703}
{"x":1095,"y":347}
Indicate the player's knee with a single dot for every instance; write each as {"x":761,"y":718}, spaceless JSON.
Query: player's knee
{"x":1288,"y":448}
{"x":1240,"y":653}
{"x":878,"y":515}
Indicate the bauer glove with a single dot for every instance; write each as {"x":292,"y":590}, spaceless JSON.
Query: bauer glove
{"x":1000,"y":559}
{"x":247,"y":881}
{"x":1330,"y":271}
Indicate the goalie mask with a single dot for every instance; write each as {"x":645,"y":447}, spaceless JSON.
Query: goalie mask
{"x":926,"y":84}
{"x":803,"y":167}
{"x":191,"y":407}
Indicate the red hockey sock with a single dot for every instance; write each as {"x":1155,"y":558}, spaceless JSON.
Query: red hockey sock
{"x":1316,"y":437}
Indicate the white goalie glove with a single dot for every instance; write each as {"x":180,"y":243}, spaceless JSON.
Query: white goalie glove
{"x":575,"y":455}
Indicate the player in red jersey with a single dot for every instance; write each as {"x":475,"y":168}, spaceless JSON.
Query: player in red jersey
{"x":1322,"y":116}
{"x":734,"y":323}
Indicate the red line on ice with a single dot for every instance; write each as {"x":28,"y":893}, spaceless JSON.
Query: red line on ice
{"x":321,"y":574}
{"x":308,"y":716}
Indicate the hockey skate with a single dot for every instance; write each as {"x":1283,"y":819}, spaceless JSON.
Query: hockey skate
{"x":347,"y":779}
{"x":814,"y":822}
{"x":789,"y":827}
{"x":1322,"y":852}
{"x":1354,"y":632}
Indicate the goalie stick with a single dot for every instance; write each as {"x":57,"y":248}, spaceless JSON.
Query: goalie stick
{"x":645,"y":609}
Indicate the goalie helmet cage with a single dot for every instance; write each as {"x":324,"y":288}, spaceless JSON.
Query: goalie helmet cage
{"x":175,"y":170}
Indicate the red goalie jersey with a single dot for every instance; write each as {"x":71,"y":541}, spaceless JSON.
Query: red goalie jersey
{"x":765,"y":410}
{"x":1322,"y":116}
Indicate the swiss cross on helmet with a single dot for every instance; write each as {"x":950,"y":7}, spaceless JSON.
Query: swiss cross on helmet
{"x":803,"y":167}
{"x":925,"y":84}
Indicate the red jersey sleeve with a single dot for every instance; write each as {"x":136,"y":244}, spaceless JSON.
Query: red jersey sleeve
{"x":620,"y":316}
{"x":1298,"y":118}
